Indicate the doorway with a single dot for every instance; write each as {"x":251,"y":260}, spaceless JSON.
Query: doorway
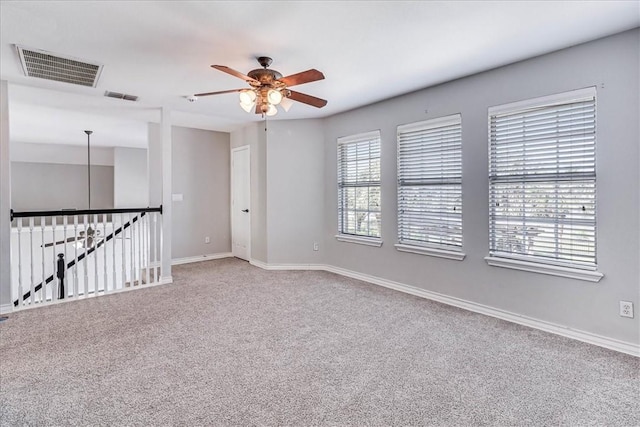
{"x":240,"y":203}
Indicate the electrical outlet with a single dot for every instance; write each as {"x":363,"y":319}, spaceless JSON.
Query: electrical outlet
{"x":626,"y":309}
{"x":315,"y":246}
{"x":207,"y":239}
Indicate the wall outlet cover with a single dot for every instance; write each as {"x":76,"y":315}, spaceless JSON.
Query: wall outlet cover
{"x":626,"y":309}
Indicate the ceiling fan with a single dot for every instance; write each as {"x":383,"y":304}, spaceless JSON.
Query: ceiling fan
{"x":269,"y":88}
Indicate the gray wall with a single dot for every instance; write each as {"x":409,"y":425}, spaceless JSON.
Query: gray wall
{"x":44,"y":186}
{"x":201,"y":174}
{"x":60,"y":153}
{"x":130,"y":178}
{"x":612,"y":65}
{"x":295,"y":188}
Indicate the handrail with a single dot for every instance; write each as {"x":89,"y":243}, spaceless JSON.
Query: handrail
{"x":91,"y":250}
{"x":67,"y":212}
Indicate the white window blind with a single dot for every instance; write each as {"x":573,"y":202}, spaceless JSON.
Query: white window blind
{"x":542,"y":180}
{"x":430,"y":183}
{"x":359,"y":184}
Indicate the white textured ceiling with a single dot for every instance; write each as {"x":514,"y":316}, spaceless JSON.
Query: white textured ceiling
{"x":161,"y":51}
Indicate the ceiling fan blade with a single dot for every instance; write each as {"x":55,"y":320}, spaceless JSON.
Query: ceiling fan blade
{"x":307,"y":99}
{"x":218,"y":93}
{"x":234,"y":73}
{"x":303,"y":77}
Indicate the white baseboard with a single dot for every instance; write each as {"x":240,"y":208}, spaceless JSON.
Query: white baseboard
{"x":6,"y":308}
{"x":266,"y":266}
{"x":565,"y":331}
{"x":188,"y":260}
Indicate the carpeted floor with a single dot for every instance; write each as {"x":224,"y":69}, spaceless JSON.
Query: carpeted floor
{"x":231,"y":344}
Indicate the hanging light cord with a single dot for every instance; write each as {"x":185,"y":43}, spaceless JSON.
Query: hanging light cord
{"x":88,"y":132}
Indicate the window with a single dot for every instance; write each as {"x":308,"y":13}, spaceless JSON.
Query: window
{"x":542,"y":181}
{"x":430,"y":187}
{"x":359,"y":186}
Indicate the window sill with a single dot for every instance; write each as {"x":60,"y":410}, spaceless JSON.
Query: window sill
{"x":441,"y":253}
{"x":554,"y":270}
{"x":361,"y":240}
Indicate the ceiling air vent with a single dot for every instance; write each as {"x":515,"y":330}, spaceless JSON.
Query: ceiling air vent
{"x":51,"y":66}
{"x":120,"y":96}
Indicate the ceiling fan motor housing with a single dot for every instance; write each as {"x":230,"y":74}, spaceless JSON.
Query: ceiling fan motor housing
{"x":265,"y":76}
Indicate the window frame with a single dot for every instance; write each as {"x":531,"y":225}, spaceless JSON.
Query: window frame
{"x":449,"y":182}
{"x":344,"y":236}
{"x":565,"y":267}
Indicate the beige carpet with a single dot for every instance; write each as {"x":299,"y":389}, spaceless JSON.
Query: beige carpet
{"x":231,"y":344}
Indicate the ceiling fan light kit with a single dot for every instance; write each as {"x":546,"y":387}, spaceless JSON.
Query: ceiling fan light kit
{"x":269,"y":88}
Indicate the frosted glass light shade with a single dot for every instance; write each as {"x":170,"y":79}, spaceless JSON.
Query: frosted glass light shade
{"x":274,"y":96}
{"x":272,"y":111}
{"x":247,"y":97}
{"x":247,"y":107}
{"x":286,"y":103}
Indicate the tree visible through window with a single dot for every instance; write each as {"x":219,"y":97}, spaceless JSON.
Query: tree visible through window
{"x":542,"y":180}
{"x":359,"y":185}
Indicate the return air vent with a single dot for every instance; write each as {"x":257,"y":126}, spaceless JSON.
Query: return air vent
{"x":120,"y":96}
{"x":51,"y":66}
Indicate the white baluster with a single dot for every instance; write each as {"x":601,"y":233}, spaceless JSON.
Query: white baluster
{"x":55,"y":284}
{"x":104,"y":251}
{"x":123,"y":234}
{"x":146,"y":245}
{"x":85,"y":286}
{"x":76,"y":284}
{"x":33,"y":278}
{"x":155,"y":247}
{"x":132,"y":249}
{"x":66,"y":260}
{"x":43,"y":286}
{"x":113,"y":251}
{"x":139,"y":269}
{"x":95,"y":255}
{"x":161,"y":248}
{"x":20,"y":291}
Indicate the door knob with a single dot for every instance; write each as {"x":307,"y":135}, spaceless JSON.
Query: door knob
{"x":245,"y":210}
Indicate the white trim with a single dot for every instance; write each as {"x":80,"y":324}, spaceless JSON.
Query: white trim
{"x":361,"y":240}
{"x":265,"y":266}
{"x":6,"y":308}
{"x":421,"y":250}
{"x":453,"y":119}
{"x":574,"y":95}
{"x":188,"y":260}
{"x":554,"y":270}
{"x":562,"y":330}
{"x":365,"y":136}
{"x":165,"y":280}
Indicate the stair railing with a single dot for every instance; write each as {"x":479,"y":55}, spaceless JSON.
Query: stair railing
{"x":134,"y":261}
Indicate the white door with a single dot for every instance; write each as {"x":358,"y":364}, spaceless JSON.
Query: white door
{"x":240,"y":198}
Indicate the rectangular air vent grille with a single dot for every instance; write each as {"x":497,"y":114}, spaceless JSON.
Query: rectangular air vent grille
{"x":120,"y":96}
{"x":50,"y":66}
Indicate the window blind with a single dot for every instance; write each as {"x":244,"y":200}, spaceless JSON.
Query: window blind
{"x":430,"y":183}
{"x":359,"y":184}
{"x":542,"y":181}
